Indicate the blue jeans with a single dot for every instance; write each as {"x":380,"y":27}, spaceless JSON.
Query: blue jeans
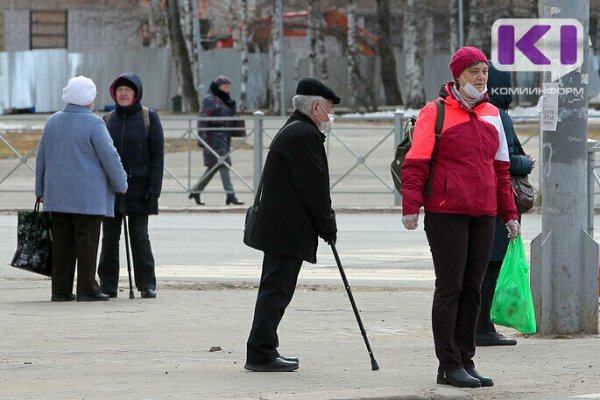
{"x":141,"y":251}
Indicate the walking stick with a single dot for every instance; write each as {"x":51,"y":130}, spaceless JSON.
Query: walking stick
{"x":126,"y":234}
{"x":374,"y":365}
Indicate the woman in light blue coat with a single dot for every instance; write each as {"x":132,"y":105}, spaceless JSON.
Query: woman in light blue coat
{"x":78,"y":172}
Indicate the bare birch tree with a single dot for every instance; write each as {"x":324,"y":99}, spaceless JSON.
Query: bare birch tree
{"x":453,"y":21}
{"x":474,"y":34}
{"x":181,"y":56}
{"x":314,"y":26}
{"x":389,"y":79}
{"x":352,"y":89}
{"x":414,"y":95}
{"x":244,"y":40}
{"x":276,"y":49}
{"x":187,"y":16}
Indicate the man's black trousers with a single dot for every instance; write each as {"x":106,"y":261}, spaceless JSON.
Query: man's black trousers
{"x":277,"y":286}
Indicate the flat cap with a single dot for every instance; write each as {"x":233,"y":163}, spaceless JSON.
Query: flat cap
{"x":313,"y":87}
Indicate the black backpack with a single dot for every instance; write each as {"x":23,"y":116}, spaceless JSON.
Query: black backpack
{"x":406,"y":143}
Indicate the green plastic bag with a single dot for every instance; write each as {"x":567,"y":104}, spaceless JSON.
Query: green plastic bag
{"x":512,"y":305}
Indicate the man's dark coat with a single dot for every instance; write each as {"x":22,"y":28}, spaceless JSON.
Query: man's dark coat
{"x":295,"y":207}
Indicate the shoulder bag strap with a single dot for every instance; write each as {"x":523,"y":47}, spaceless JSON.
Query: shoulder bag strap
{"x":260,"y":184}
{"x":439,"y":124}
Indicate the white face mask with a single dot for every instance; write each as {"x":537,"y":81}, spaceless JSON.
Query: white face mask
{"x":471,"y":92}
{"x":326,"y":125}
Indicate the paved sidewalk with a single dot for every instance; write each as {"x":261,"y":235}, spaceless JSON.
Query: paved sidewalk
{"x":160,"y":349}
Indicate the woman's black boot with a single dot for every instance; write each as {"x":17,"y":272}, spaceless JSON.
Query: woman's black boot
{"x":196,"y":197}
{"x":231,"y":199}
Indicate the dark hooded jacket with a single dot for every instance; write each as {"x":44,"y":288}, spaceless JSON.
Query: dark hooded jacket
{"x":499,"y":85}
{"x":142,"y":154}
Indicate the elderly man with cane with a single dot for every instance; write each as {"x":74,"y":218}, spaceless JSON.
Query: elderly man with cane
{"x":294,"y":209}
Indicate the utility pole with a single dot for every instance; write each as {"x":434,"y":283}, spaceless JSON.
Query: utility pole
{"x":564,"y":258}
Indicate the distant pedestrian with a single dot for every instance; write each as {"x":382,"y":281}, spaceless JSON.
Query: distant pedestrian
{"x":138,"y":137}
{"x":217,"y":103}
{"x":295,"y":209}
{"x":520,"y":164}
{"x":77,"y":174}
{"x":469,"y":186}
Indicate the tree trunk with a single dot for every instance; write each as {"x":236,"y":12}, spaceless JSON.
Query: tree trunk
{"x":181,"y":58}
{"x":474,"y":33}
{"x":389,"y":79}
{"x":352,"y":89}
{"x":414,"y":94}
{"x":322,"y":53}
{"x":313,"y":28}
{"x":275,"y":58}
{"x":453,"y":21}
{"x":244,"y":39}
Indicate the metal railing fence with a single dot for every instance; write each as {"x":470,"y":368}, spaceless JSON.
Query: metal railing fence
{"x":359,"y":149}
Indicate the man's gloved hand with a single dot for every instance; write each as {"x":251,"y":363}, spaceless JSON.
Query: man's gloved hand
{"x":329,"y":238}
{"x":410,"y":221}
{"x":514,"y":229}
{"x":152,"y":203}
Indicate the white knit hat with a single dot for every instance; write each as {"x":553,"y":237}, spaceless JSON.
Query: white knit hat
{"x":80,"y":91}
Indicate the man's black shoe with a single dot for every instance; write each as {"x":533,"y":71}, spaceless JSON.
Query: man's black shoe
{"x":94,"y":297}
{"x":62,"y":297}
{"x":485,"y":381}
{"x":148,"y":293}
{"x":292,"y":359}
{"x":110,"y":294}
{"x":493,"y":339}
{"x":277,"y":365}
{"x":458,"y":378}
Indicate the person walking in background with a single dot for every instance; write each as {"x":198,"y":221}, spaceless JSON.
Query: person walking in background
{"x":295,"y":209}
{"x":520,"y":164}
{"x":217,"y":103}
{"x":138,"y":136}
{"x":77,"y":174}
{"x":469,"y":186}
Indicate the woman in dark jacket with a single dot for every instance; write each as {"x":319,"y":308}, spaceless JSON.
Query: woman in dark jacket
{"x":499,"y":85}
{"x":138,"y":136}
{"x":217,"y":142}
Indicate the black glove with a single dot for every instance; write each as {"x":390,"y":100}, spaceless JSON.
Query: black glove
{"x":329,"y":238}
{"x":152,"y":203}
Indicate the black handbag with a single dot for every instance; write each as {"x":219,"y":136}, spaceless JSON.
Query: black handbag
{"x":250,"y":239}
{"x":250,"y":221}
{"x":34,"y":241}
{"x":239,"y":127}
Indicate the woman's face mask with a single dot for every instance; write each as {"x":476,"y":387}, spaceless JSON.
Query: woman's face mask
{"x":471,"y":91}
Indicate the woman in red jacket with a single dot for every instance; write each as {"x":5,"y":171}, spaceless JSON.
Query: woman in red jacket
{"x":469,"y":186}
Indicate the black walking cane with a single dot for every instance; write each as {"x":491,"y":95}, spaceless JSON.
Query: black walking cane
{"x":126,"y":234}
{"x":374,"y":365}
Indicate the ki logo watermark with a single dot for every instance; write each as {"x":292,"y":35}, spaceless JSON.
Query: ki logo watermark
{"x":530,"y":44}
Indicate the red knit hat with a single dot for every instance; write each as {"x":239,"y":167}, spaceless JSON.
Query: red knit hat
{"x":465,"y":57}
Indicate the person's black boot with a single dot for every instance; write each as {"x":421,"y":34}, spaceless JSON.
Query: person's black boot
{"x":458,"y":378}
{"x":196,"y":197}
{"x":231,"y":199}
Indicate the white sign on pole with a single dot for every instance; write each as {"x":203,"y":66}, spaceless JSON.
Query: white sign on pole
{"x":550,"y":107}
